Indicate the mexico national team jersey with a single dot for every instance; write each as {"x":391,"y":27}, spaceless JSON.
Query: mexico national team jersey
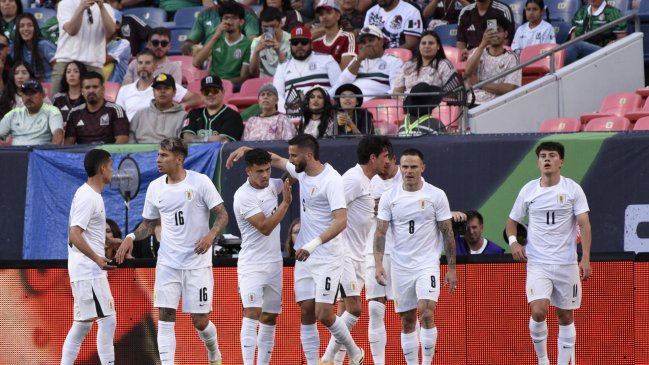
{"x":344,"y":44}
{"x":88,"y":213}
{"x":413,"y":217}
{"x":380,"y":186}
{"x":249,"y":201}
{"x":396,"y":24}
{"x":376,"y":76}
{"x":552,"y":228}
{"x":184,"y":211}
{"x":360,"y":212}
{"x":319,"y":196}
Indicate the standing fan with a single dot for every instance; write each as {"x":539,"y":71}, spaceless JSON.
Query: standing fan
{"x":127,"y":180}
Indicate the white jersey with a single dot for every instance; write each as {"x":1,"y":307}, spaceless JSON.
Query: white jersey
{"x":413,"y":217}
{"x":184,"y":211}
{"x":380,"y":186}
{"x":525,"y":37}
{"x":403,"y":20}
{"x":319,"y":196}
{"x":376,"y":76}
{"x":249,"y":201}
{"x":552,"y":228}
{"x":88,"y":213}
{"x":360,"y":212}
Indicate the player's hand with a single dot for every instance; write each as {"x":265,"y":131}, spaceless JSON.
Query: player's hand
{"x":451,"y":280}
{"x":204,"y":244}
{"x":104,"y":263}
{"x":287,"y":192}
{"x":584,"y":267}
{"x":124,"y":250}
{"x":302,"y":254}
{"x":86,"y":3}
{"x":379,"y":275}
{"x":518,"y":252}
{"x":113,"y":243}
{"x":458,"y":216}
{"x":235,"y":156}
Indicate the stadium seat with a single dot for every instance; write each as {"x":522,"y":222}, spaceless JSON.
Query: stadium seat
{"x":153,"y":17}
{"x":403,"y":53}
{"x":541,"y":67}
{"x":562,"y":10}
{"x":112,"y":88}
{"x":233,"y":107}
{"x":178,"y":36}
{"x":615,"y":105}
{"x":385,"y":128}
{"x":518,"y":7}
{"x":41,"y":14}
{"x":608,"y":124}
{"x":449,"y":116}
{"x":561,"y":31}
{"x":385,"y":110}
{"x":248,"y":95}
{"x":643,"y":92}
{"x":559,"y":125}
{"x":641,"y":124}
{"x":228,"y":87}
{"x":48,"y":88}
{"x":455,"y":56}
{"x":639,"y":113}
{"x":186,"y":17}
{"x":447,"y":34}
{"x":190,"y":73}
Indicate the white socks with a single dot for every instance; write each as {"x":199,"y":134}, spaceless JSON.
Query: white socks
{"x":166,"y":342}
{"x":73,"y":341}
{"x":210,"y":339}
{"x":410,"y":346}
{"x":310,"y":339}
{"x":539,"y":334}
{"x":248,"y":340}
{"x":339,"y":330}
{"x":105,"y":335}
{"x":335,"y":351}
{"x":567,"y":339}
{"x":428,"y":338}
{"x":376,"y":331}
{"x":265,"y":342}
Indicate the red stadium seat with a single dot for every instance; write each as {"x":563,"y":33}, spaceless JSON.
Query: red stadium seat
{"x":637,"y":114}
{"x":190,"y":73}
{"x":449,"y":115}
{"x":385,"y":128}
{"x":112,"y":88}
{"x":233,"y":107}
{"x":541,"y":67}
{"x":642,"y":124}
{"x":403,"y":53}
{"x":608,"y":124}
{"x":615,"y":105}
{"x":47,"y":87}
{"x":248,"y":95}
{"x":558,"y":125}
{"x":643,"y":91}
{"x":455,"y":56}
{"x":385,"y":110}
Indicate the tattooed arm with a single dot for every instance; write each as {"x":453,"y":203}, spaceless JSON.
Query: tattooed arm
{"x":379,"y":250}
{"x":449,"y":248}
{"x":205,"y":243}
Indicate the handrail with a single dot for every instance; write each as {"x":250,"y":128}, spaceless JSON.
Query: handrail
{"x":550,"y":53}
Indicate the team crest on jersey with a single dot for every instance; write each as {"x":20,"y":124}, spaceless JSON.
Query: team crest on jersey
{"x":189,"y":195}
{"x":561,"y":198}
{"x":251,"y":297}
{"x":354,"y":285}
{"x":422,"y":204}
{"x":312,"y":66}
{"x":104,"y":120}
{"x":396,"y":22}
{"x":237,"y":54}
{"x":110,"y":304}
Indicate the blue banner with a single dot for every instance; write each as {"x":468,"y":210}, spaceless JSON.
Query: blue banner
{"x":54,"y":176}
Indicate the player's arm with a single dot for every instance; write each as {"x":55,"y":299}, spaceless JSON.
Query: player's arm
{"x":80,"y":243}
{"x":338,"y":224}
{"x":583,"y":220}
{"x":144,"y":230}
{"x":266,"y":225}
{"x":277,"y":161}
{"x":379,"y":250}
{"x":205,"y":243}
{"x":446,"y":227}
{"x":517,"y":250}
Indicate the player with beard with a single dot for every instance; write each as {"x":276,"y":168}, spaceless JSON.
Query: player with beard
{"x":97,"y":120}
{"x":304,"y":70}
{"x":399,"y":21}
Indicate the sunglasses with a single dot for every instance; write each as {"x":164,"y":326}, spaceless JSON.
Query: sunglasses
{"x":296,"y":42}
{"x":210,"y":90}
{"x":157,"y":43}
{"x":90,"y":19}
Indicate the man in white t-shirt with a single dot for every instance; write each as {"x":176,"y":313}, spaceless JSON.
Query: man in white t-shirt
{"x":319,"y":248}
{"x":555,"y":205}
{"x":260,"y":263}
{"x":84,"y":26}
{"x":181,"y":200}
{"x":419,"y":216}
{"x":399,"y":21}
{"x":373,"y":153}
{"x":87,"y":263}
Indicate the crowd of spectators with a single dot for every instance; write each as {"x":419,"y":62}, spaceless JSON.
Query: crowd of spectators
{"x":321,"y":55}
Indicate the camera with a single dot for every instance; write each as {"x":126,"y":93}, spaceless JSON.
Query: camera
{"x":459,"y":228}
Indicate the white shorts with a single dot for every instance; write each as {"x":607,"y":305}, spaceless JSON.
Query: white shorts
{"x":410,"y":286}
{"x":372,"y":288}
{"x":195,"y":285}
{"x":90,"y":297}
{"x":353,"y":279}
{"x":318,"y":279}
{"x":558,"y":283}
{"x":260,"y":286}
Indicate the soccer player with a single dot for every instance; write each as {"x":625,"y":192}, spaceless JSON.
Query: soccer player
{"x":555,"y":206}
{"x":260,"y":261}
{"x":419,"y":216}
{"x":87,"y":264}
{"x":375,"y":293}
{"x":182,"y":201}
{"x":373,"y":154}
{"x":319,"y":248}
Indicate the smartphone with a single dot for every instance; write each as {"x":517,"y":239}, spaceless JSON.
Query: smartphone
{"x":492,"y":24}
{"x":269,"y":33}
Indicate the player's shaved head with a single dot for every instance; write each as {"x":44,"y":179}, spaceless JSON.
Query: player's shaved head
{"x":551,"y":146}
{"x":257,"y":157}
{"x":306,"y":142}
{"x":174,"y":145}
{"x":94,"y":160}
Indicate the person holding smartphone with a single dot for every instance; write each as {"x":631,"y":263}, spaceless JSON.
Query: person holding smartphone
{"x":272,"y":47}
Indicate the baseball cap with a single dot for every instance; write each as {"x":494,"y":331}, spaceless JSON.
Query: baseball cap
{"x":328,"y":4}
{"x":211,"y":81}
{"x":301,"y":32}
{"x":32,"y":85}
{"x":372,"y":30}
{"x":164,"y":79}
{"x":270,"y":88}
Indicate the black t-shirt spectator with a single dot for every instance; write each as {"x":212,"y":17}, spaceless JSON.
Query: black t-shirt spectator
{"x":470,"y":25}
{"x":135,"y":31}
{"x":226,"y":122}
{"x":101,"y":126}
{"x":65,"y":104}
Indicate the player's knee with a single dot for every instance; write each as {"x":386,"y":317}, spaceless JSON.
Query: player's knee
{"x":252,"y":313}
{"x":564,"y":317}
{"x":408,"y":321}
{"x":167,"y":315}
{"x":269,"y":319}
{"x":427,"y":319}
{"x":200,"y":321}
{"x":355,"y":307}
{"x":539,"y":313}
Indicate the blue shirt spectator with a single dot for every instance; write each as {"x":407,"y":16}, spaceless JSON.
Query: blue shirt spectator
{"x":31,"y":49}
